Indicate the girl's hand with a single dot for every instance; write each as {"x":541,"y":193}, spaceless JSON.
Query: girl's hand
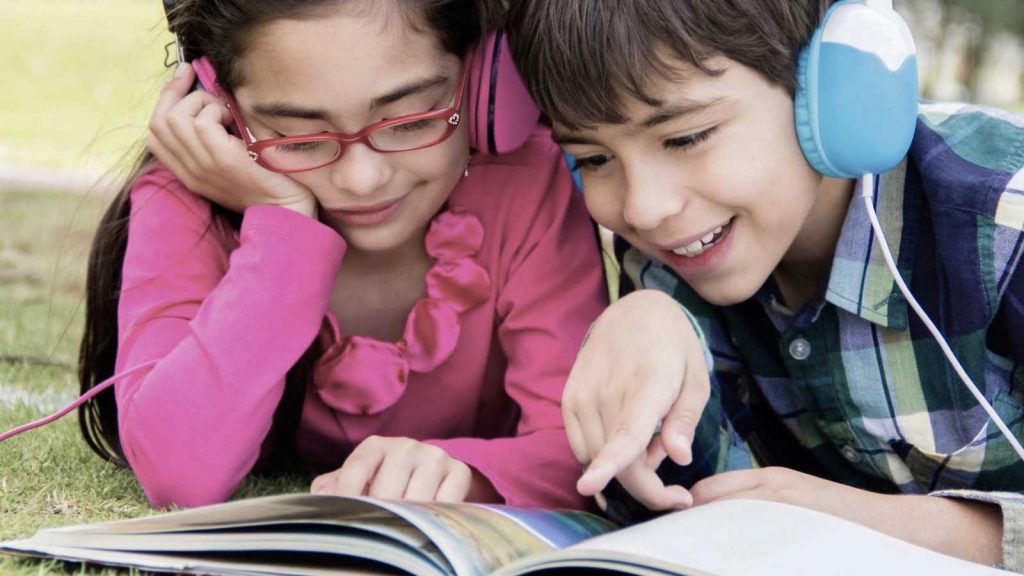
{"x":642,"y":365}
{"x":403,"y":468}
{"x":187,"y":134}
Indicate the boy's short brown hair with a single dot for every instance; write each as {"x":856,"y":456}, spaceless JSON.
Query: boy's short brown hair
{"x":581,"y":57}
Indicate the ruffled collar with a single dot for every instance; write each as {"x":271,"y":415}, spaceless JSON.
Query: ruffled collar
{"x":362,"y":375}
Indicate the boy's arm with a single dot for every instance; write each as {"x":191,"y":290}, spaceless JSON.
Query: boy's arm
{"x":703,"y":439}
{"x":1007,"y":331}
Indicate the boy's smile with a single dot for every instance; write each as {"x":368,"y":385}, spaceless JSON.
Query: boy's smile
{"x":710,"y":180}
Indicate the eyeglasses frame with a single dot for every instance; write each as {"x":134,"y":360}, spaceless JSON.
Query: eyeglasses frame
{"x":451,"y":114}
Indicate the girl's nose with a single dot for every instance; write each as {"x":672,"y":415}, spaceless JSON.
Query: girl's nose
{"x":360,"y":171}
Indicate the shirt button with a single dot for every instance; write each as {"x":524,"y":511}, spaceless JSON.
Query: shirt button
{"x":800,"y":349}
{"x":850,"y":453}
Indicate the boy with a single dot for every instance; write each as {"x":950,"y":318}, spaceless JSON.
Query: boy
{"x":792,"y":343}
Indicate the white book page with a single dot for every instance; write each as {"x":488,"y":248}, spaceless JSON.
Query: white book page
{"x":748,"y":537}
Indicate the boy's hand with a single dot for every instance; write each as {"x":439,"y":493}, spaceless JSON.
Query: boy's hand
{"x":403,"y":468}
{"x":969,"y":530}
{"x":642,"y":365}
{"x":187,"y":134}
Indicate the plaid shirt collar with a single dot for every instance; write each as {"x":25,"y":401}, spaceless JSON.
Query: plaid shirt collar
{"x":860,"y":282}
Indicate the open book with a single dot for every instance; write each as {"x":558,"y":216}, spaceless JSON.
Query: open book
{"x":317,"y":535}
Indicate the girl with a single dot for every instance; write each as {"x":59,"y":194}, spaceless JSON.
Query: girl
{"x":373,"y":298}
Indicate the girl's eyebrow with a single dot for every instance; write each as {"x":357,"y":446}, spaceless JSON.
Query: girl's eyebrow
{"x":409,"y":89}
{"x":282,"y":110}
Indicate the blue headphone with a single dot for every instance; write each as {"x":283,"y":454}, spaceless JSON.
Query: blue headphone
{"x":856,"y":100}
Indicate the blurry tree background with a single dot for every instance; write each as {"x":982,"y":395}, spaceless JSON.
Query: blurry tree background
{"x":970,"y":50}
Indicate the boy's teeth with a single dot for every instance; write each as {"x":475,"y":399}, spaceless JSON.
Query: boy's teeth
{"x":692,"y":249}
{"x":698,"y":247}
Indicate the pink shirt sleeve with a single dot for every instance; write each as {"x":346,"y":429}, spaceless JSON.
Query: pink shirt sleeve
{"x":553,"y":289}
{"x":224,"y":324}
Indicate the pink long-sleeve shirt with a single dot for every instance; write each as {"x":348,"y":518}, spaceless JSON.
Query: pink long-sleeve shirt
{"x":479,"y":372}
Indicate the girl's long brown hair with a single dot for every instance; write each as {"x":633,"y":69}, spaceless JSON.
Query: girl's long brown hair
{"x":223,"y":30}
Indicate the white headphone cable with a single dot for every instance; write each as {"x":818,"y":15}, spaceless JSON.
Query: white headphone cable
{"x":867,"y":193}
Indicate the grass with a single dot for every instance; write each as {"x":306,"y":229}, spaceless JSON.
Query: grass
{"x":79,"y":80}
{"x":48,"y":477}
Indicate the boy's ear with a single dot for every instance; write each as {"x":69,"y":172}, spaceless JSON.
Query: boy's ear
{"x":856,"y":100}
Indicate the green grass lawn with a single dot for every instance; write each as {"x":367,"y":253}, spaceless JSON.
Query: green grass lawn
{"x":48,"y":477}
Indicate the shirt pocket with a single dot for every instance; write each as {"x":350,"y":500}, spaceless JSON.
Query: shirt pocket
{"x":988,"y":462}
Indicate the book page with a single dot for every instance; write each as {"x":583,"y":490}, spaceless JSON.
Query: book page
{"x":748,"y":537}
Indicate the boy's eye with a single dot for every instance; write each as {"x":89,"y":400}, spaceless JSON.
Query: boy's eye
{"x":688,"y":141}
{"x":589,"y":162}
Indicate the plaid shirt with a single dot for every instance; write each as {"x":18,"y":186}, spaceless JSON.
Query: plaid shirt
{"x":852,"y":387}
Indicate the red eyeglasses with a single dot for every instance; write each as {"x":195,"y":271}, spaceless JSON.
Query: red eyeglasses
{"x":301,"y":153}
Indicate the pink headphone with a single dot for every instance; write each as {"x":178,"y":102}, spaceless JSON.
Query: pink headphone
{"x":501,"y":112}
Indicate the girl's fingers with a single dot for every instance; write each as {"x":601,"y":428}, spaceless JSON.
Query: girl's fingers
{"x":359,"y":469}
{"x":182,"y":122}
{"x":456,"y":483}
{"x":220,"y":145}
{"x":393,"y":475}
{"x":324,"y":483}
{"x":174,"y":89}
{"x":426,"y":480}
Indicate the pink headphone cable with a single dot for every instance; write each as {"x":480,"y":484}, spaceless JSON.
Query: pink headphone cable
{"x":78,"y":402}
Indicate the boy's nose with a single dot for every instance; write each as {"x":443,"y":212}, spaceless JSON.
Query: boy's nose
{"x":649,"y":200}
{"x":360,"y":171}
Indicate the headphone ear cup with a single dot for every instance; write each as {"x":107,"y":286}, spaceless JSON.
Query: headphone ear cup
{"x":206,"y":76}
{"x":804,"y":114}
{"x":502,"y":115}
{"x":856,"y":102}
